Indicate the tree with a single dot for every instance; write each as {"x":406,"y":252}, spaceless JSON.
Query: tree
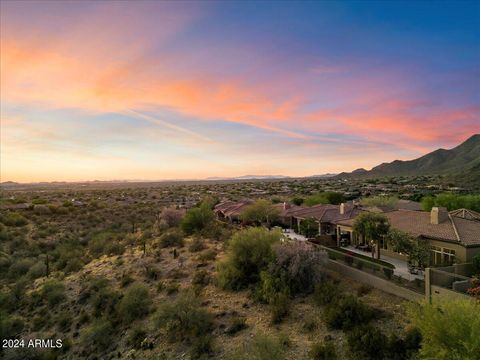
{"x":196,"y":219}
{"x":418,"y":250}
{"x":400,"y":241}
{"x":420,"y":253}
{"x":249,"y":252}
{"x":380,"y":201}
{"x":327,"y":197}
{"x":450,"y":329}
{"x":373,"y":227}
{"x":169,"y":217}
{"x":261,"y":212}
{"x":309,"y":227}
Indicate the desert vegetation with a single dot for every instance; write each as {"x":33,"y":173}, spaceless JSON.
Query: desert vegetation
{"x":151,"y":273}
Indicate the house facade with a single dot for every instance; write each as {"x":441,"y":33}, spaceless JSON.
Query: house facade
{"x":453,"y":236}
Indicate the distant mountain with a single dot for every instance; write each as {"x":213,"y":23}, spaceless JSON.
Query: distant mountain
{"x":250,"y":177}
{"x":461,"y":163}
{"x":323,"y":176}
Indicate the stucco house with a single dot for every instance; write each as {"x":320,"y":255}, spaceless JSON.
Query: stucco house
{"x":454,"y":236}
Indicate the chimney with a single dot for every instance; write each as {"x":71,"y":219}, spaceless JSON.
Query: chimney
{"x":438,"y":215}
{"x":342,"y":208}
{"x":284,"y":205}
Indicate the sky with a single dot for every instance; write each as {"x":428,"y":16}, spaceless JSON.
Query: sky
{"x":152,"y":90}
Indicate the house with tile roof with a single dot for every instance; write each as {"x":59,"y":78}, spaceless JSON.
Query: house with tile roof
{"x":453,"y":236}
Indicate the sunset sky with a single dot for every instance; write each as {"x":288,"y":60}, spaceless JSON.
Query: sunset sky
{"x":176,"y":90}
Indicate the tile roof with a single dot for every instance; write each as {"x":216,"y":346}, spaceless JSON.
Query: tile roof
{"x":418,"y":223}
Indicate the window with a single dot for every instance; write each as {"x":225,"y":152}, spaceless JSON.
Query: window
{"x":442,"y":256}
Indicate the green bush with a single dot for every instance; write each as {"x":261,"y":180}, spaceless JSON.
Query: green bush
{"x":449,"y":329}
{"x":261,"y":347}
{"x":10,"y":326}
{"x":197,"y":245}
{"x":201,"y":278}
{"x":249,"y":252}
{"x":53,"y":292}
{"x":135,"y":303}
{"x":207,"y":255}
{"x":201,"y":347}
{"x":197,"y":219}
{"x":98,"y":336}
{"x":104,"y":301}
{"x":19,"y":268}
{"x":12,"y":218}
{"x":347,"y":313}
{"x":323,"y":351}
{"x":328,"y":197}
{"x":184,"y":319}
{"x":38,"y":270}
{"x":173,"y":237}
{"x":135,"y":336}
{"x":476,"y":263}
{"x":367,"y":342}
{"x":279,"y":307}
{"x":326,"y":292}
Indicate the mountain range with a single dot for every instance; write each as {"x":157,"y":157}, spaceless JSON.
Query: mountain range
{"x":460,"y":164}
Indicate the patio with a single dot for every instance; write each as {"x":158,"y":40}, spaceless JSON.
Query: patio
{"x":401,"y":267}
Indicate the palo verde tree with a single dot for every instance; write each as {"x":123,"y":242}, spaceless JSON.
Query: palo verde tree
{"x":262,"y":212}
{"x":372,"y":226}
{"x":418,"y":250}
{"x":309,"y":227}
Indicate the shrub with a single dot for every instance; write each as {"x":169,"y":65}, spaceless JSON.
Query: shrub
{"x":10,"y":326}
{"x":261,"y":347}
{"x":173,"y":237}
{"x":197,"y":245}
{"x":279,"y":307}
{"x":301,"y":264}
{"x":98,"y":335}
{"x":326,"y":292}
{"x":172,"y":287}
{"x":135,"y":303}
{"x":236,"y":324}
{"x":53,"y":292}
{"x":169,"y":217}
{"x":64,"y":321}
{"x":449,"y":329}
{"x":323,"y":351}
{"x":207,"y":255}
{"x":19,"y":268}
{"x":476,"y":263}
{"x":125,"y":280}
{"x":388,"y":272}
{"x":136,"y":336}
{"x":367,"y":342}
{"x":347,"y":313}
{"x":184,"y":319}
{"x":200,"y":277}
{"x":249,"y":252}
{"x":12,"y":218}
{"x":73,"y":265}
{"x":201,"y":346}
{"x":38,"y":270}
{"x":104,"y":301}
{"x":261,"y":212}
{"x":328,"y":197}
{"x":196,"y":219}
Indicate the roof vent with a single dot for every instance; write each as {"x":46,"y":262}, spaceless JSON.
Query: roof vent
{"x":342,"y":208}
